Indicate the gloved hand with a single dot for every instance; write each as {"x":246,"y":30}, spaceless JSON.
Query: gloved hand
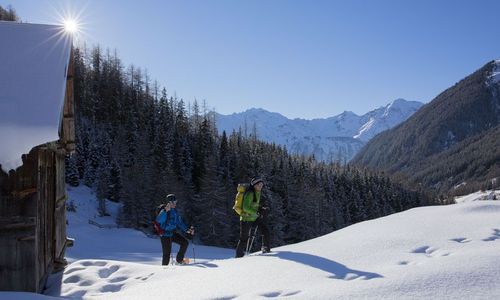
{"x":190,"y":233}
{"x":263,"y":210}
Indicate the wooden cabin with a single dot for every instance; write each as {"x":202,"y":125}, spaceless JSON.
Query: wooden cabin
{"x":36,"y":99}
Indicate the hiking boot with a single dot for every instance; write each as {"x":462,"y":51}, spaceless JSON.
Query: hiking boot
{"x":185,"y":261}
{"x":265,"y":250}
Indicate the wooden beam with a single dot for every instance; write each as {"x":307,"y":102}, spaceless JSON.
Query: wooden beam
{"x":24,"y":193}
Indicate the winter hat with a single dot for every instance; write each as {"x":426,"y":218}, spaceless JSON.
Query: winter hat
{"x":256,"y":180}
{"x":171,"y":198}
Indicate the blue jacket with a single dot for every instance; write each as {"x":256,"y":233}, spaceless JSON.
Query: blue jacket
{"x":178,"y":220}
{"x":169,"y":226}
{"x":174,"y":222}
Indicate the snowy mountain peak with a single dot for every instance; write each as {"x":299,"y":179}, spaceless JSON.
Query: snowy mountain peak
{"x":334,"y":138}
{"x":348,"y":113}
{"x":402,"y":106}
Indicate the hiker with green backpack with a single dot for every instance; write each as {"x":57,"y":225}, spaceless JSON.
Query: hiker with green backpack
{"x":249,"y":206}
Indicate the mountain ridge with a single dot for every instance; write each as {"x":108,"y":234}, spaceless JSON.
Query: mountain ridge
{"x":336,"y":138}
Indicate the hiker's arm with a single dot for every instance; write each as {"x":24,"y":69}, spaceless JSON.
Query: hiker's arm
{"x":181,"y":224}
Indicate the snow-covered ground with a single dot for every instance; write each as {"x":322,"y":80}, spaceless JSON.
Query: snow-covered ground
{"x":479,"y":196}
{"x":441,"y":252}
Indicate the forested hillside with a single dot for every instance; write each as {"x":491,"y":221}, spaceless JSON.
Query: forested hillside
{"x":452,"y":140}
{"x":136,"y":143}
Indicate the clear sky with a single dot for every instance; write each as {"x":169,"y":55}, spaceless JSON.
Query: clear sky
{"x":305,"y":59}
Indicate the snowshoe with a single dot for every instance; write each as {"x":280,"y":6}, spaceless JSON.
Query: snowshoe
{"x":185,"y":261}
{"x":265,"y":250}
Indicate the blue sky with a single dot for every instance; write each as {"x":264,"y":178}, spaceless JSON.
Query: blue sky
{"x":306,"y":59}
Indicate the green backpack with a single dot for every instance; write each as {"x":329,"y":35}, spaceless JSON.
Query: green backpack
{"x":240,"y":195}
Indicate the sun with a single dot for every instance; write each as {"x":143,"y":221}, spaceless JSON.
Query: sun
{"x":70,"y":26}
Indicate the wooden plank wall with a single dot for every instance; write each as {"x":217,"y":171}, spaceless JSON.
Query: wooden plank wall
{"x":18,"y":226}
{"x":45,"y":219}
{"x":60,"y":205}
{"x":32,"y":220}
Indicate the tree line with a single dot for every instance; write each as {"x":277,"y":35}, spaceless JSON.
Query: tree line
{"x":8,"y":14}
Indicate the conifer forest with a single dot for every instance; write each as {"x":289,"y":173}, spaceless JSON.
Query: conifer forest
{"x":138,"y":142}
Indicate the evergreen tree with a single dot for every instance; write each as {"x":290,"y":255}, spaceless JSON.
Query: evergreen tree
{"x":72,"y":177}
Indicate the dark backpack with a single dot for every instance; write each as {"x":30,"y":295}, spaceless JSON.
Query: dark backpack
{"x":157,"y":226}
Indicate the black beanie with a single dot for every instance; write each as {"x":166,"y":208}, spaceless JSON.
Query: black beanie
{"x":256,"y":180}
{"x":171,"y":198}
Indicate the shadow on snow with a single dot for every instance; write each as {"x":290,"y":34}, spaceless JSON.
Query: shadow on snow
{"x":338,"y":271}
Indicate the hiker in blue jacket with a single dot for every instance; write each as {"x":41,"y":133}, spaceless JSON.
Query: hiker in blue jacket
{"x":172,"y":222}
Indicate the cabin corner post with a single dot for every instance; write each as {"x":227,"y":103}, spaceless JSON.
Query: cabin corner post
{"x":68,"y":121}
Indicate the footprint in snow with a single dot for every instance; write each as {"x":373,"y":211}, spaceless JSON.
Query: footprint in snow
{"x":111,"y":288}
{"x":93,"y":263}
{"x":144,"y":278}
{"x":77,"y":294}
{"x":279,"y":294}
{"x":424,"y":250}
{"x":225,"y":298}
{"x":430,"y":251}
{"x":86,"y":283}
{"x":291,"y":293}
{"x":271,"y":294}
{"x":105,"y":273}
{"x":494,"y":236}
{"x":72,"y":279}
{"x":461,"y":240}
{"x":69,"y":271}
{"x":118,"y":279}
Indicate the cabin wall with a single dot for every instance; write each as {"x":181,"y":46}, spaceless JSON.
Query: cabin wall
{"x":18,"y":227}
{"x":32,"y":220}
{"x":33,"y":208}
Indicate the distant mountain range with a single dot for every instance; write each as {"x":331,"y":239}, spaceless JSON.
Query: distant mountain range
{"x":337,"y":138}
{"x":451,"y":143}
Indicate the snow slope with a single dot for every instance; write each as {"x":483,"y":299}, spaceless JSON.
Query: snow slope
{"x":335,"y":138}
{"x":479,"y":196}
{"x":441,"y":252}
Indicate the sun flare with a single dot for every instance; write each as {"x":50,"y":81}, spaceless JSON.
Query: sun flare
{"x":70,"y":26}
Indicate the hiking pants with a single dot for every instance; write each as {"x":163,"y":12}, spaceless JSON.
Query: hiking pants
{"x":244,"y":235}
{"x":166,"y":246}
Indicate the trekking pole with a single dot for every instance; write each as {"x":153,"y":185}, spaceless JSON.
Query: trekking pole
{"x":194,"y":254}
{"x":248,"y":240}
{"x":251,"y":239}
{"x":192,"y":244}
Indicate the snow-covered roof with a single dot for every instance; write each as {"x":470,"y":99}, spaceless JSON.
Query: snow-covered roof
{"x":33,"y":66}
